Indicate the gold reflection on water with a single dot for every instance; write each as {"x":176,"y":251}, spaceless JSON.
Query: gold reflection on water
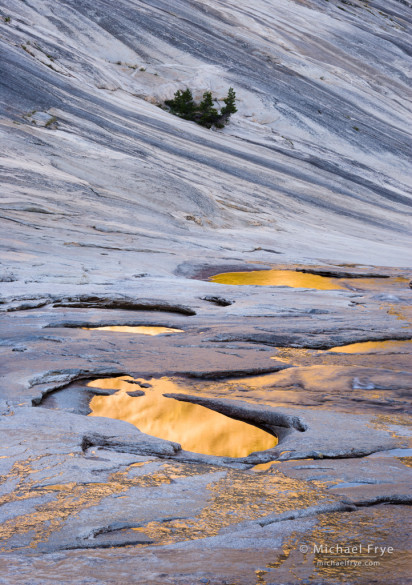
{"x":290,"y":278}
{"x":195,"y":427}
{"x":141,"y":329}
{"x":394,"y":282}
{"x":263,"y":466}
{"x":374,"y":346}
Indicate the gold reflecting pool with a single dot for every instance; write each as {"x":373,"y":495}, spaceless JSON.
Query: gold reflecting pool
{"x":290,"y":278}
{"x":195,"y":427}
{"x":392,"y":345}
{"x":141,"y":329}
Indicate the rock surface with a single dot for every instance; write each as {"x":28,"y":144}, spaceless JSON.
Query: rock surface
{"x":115,"y":212}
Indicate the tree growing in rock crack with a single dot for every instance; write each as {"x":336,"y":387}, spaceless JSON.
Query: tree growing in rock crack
{"x":203,"y":113}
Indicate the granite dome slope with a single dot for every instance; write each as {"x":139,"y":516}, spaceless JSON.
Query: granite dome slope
{"x":315,"y":162}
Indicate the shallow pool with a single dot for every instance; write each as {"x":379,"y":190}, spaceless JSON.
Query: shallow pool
{"x":392,"y":345}
{"x":195,"y":427}
{"x":140,"y":329}
{"x":290,"y":278}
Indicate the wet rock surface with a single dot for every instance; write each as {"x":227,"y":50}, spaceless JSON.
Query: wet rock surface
{"x":90,"y":493}
{"x":115,"y":213}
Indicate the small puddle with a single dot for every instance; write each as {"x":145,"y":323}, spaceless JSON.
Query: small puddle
{"x":392,"y":345}
{"x":196,"y":428}
{"x":262,"y":467}
{"x":290,"y":278}
{"x":141,"y":329}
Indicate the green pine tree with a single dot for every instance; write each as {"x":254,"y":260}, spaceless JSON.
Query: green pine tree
{"x":207,"y":113}
{"x":230,"y":107}
{"x":187,"y":105}
{"x":182,"y":104}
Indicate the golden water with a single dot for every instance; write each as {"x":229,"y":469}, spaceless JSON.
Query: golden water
{"x":296,"y":279}
{"x":141,"y":329}
{"x":290,"y":278}
{"x":195,"y":427}
{"x":375,"y":346}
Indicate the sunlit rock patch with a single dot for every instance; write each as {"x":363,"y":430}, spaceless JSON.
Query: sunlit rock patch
{"x":68,"y":515}
{"x":195,"y":427}
{"x":402,"y":313}
{"x":239,"y":497}
{"x":379,"y":527}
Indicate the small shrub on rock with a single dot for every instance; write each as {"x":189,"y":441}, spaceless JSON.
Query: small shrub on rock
{"x":203,"y":113}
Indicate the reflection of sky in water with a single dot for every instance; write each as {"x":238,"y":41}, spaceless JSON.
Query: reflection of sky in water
{"x":261,"y":467}
{"x":296,"y":279}
{"x":375,"y":346}
{"x":141,"y":329}
{"x":397,"y":282}
{"x":278,"y":278}
{"x":195,"y":427}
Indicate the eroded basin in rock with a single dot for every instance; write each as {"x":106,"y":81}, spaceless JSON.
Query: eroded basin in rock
{"x":290,"y":278}
{"x":140,"y":330}
{"x":307,"y":279}
{"x":390,"y":345}
{"x":196,"y":428}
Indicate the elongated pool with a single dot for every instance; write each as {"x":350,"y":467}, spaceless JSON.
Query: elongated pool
{"x":195,"y":427}
{"x":299,"y":279}
{"x":139,"y":329}
{"x":290,"y":278}
{"x":388,"y":346}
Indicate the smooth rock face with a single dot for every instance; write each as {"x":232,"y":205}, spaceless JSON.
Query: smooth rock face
{"x":113,"y":212}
